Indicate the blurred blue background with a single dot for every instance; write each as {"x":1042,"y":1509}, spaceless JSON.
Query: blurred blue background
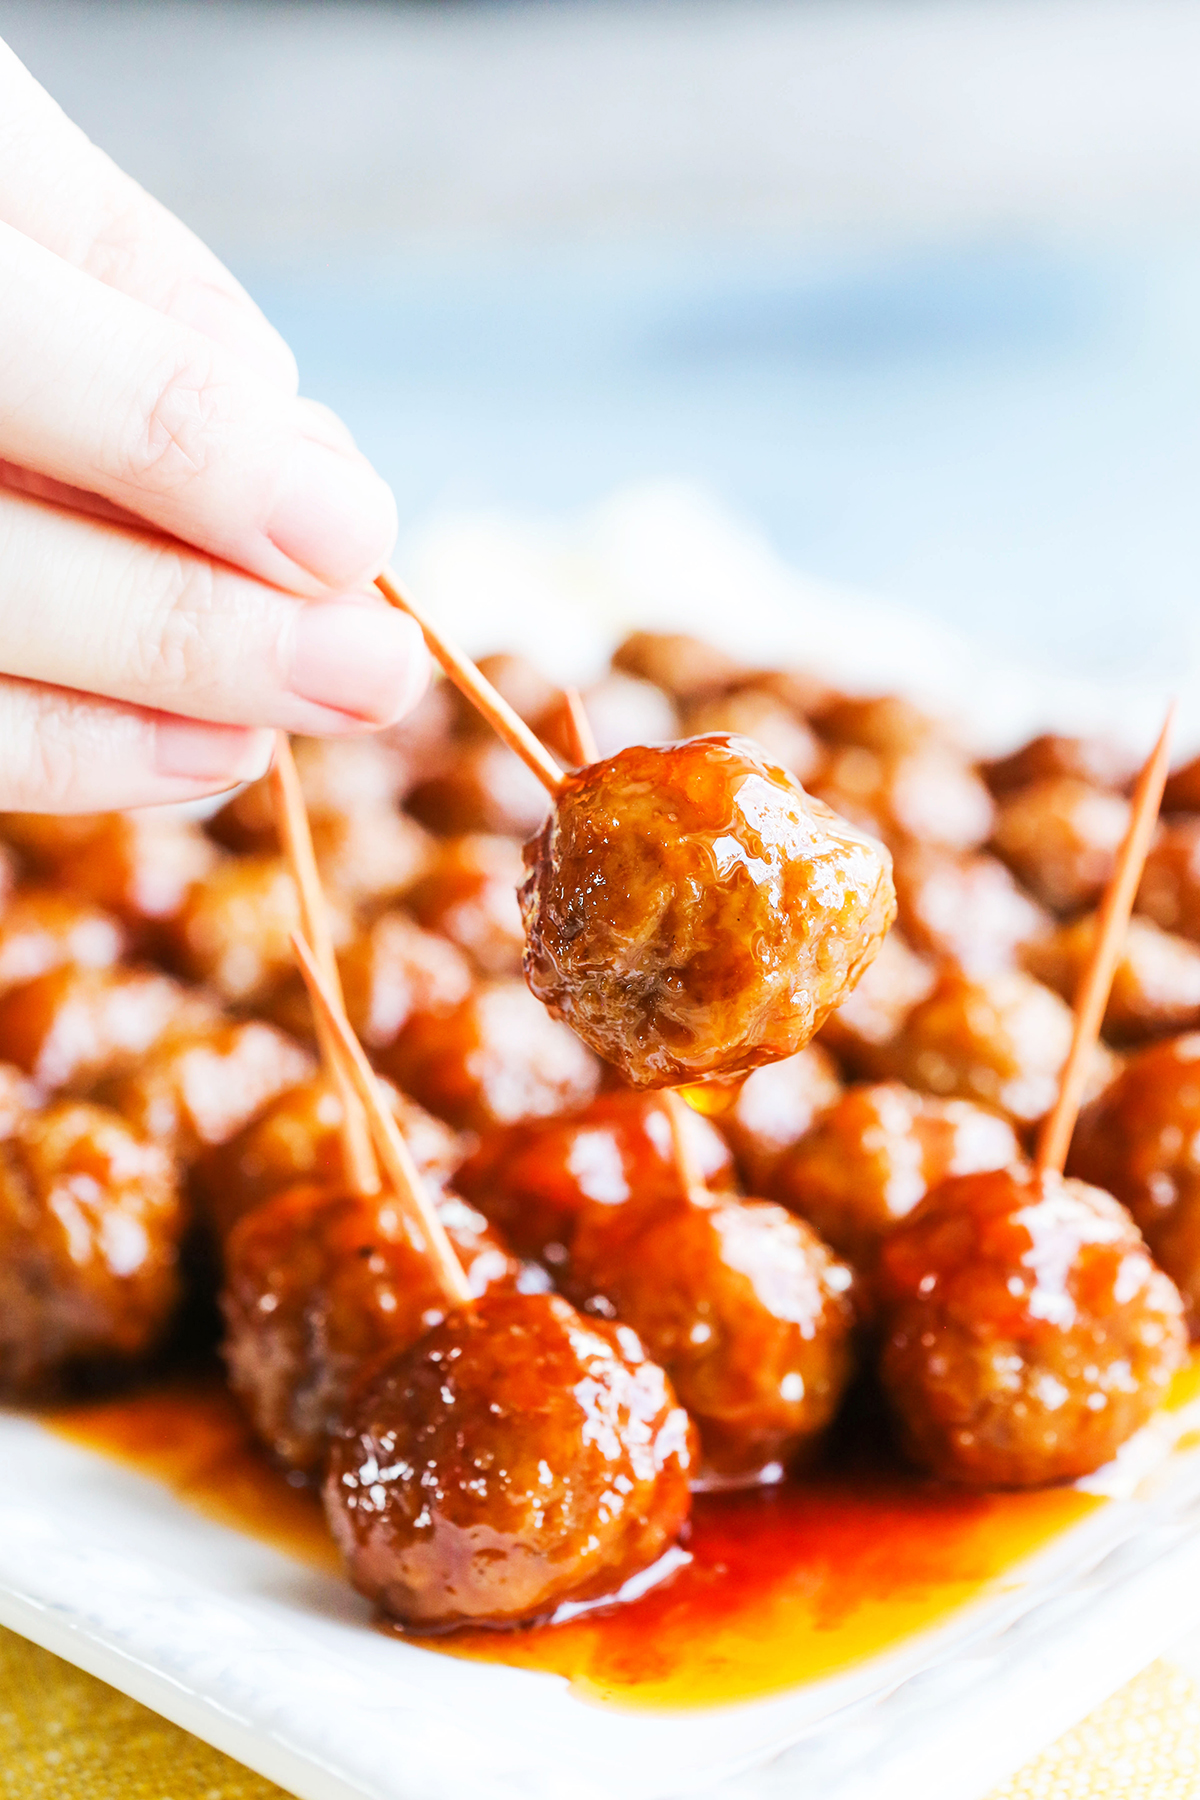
{"x":914,"y":287}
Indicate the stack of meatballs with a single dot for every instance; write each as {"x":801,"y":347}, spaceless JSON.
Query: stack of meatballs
{"x":165,"y":1131}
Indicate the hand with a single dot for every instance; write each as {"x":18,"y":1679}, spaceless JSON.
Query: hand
{"x":186,"y":548}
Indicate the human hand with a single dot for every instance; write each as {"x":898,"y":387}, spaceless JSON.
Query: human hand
{"x":186,"y":548}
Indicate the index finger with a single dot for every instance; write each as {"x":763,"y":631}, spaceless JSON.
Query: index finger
{"x":59,"y":189}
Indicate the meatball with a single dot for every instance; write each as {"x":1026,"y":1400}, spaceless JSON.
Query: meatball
{"x":886,"y":723}
{"x":692,"y":913}
{"x":776,"y":1106}
{"x":749,"y":712}
{"x":517,"y":1457}
{"x":234,"y":929}
{"x":139,"y":866}
{"x":1141,"y":1141}
{"x":90,"y":1225}
{"x":746,"y":1309}
{"x":295,"y":1139}
{"x":1002,"y":1040}
{"x":1156,"y":987}
{"x":621,"y":710}
{"x":537,"y":1179}
{"x":965,"y":910}
{"x":684,"y":667}
{"x":875,"y":1154}
{"x":930,"y":794}
{"x":42,"y":929}
{"x":337,"y":776}
{"x":1060,"y":836}
{"x":389,"y":972}
{"x":470,"y":896}
{"x":320,"y":1282}
{"x":1027,"y":1332}
{"x":494,"y":1059}
{"x":1182,"y":792}
{"x":1097,"y":761}
{"x":72,"y":1027}
{"x":863,"y":1027}
{"x":518,"y":680}
{"x":1170,"y":890}
{"x":484,"y":787}
{"x":367,"y":858}
{"x":197,"y":1088}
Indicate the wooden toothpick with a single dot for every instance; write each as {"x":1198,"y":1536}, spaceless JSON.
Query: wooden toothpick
{"x":394,"y":1153}
{"x":291,"y":818}
{"x":505,"y":722}
{"x":1091,"y":997}
{"x":584,"y":748}
{"x":687,"y":1164}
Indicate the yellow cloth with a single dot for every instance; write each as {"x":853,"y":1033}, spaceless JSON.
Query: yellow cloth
{"x":65,"y":1736}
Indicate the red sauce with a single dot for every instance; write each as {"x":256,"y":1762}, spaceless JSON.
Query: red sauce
{"x":786,"y":1585}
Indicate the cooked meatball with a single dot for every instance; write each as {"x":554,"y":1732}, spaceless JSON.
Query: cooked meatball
{"x":746,"y":1309}
{"x":389,"y":972}
{"x":776,"y":1106}
{"x":1156,"y":987}
{"x":469,"y":895}
{"x":296,"y":1140}
{"x":965,"y":910}
{"x":197,"y":1088}
{"x":137,"y":865}
{"x":42,"y":838}
{"x":1097,"y":761}
{"x":748,"y":712}
{"x":337,"y":776}
{"x":1182,"y":792}
{"x":930,"y":794}
{"x":90,"y":1224}
{"x":318,"y":1284}
{"x":1170,"y":890}
{"x":1060,"y":836}
{"x":692,"y":913}
{"x":886,"y":723}
{"x":528,"y":691}
{"x":496,"y":1058}
{"x":684,"y":667}
{"x":234,"y":929}
{"x":1027,"y":1332}
{"x":517,"y":1457}
{"x":861,"y":1029}
{"x":537,"y":1179}
{"x":1002,"y":1039}
{"x":876,"y":1153}
{"x":621,"y":710}
{"x":71,"y":1027}
{"x":1141,"y":1141}
{"x":484,"y":787}
{"x":42,"y":929}
{"x":368,"y":858}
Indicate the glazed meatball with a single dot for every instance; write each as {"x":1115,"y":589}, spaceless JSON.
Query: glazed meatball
{"x":484,"y":787}
{"x":876,"y":1153}
{"x":43,"y":838}
{"x":965,"y":910}
{"x":750,"y":713}
{"x":234,"y":929}
{"x":1182,"y":792}
{"x":138,"y":866}
{"x":1027,"y":1332}
{"x":886,"y":723}
{"x":528,"y":691}
{"x":862,"y":1029}
{"x":389,"y":972}
{"x":537,"y":1179}
{"x":296,"y":1140}
{"x":72,"y":1027}
{"x":196,"y":1089}
{"x":746,"y":1309}
{"x":692,"y":913}
{"x":318,"y":1284}
{"x":470,"y":896}
{"x":684,"y":667}
{"x":367,"y":858}
{"x":517,"y":1457}
{"x":90,"y":1224}
{"x":1097,"y":761}
{"x":337,"y":776}
{"x":776,"y":1106}
{"x":43,"y":929}
{"x":1170,"y":890}
{"x":1001,"y":1040}
{"x":621,"y":710}
{"x":1156,"y":986}
{"x":1141,"y":1141}
{"x":495,"y":1059}
{"x":930,"y":794}
{"x":1060,"y":836}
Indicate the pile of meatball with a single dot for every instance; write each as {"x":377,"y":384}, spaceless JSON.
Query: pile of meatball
{"x":867,"y":1214}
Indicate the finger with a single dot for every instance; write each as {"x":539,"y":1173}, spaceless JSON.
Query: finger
{"x":91,"y":605}
{"x":65,"y":752}
{"x":100,"y":392}
{"x":72,"y":199}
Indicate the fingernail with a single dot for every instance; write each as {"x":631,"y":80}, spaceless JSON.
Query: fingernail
{"x":363,"y":659}
{"x":333,"y":515}
{"x":188,"y":750}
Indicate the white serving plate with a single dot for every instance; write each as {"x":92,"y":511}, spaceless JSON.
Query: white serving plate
{"x":278,"y":1665}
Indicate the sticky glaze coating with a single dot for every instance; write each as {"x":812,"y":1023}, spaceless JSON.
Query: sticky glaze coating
{"x":320,"y":1282}
{"x":71,"y":1027}
{"x":1139,"y":1140}
{"x":1156,"y":984}
{"x":692,"y":913}
{"x":518,"y":1457}
{"x":234,"y":929}
{"x":1060,"y":836}
{"x":876,"y":1153}
{"x":390,"y":971}
{"x":296,"y":1139}
{"x":746,"y":1309}
{"x":862,"y":1029}
{"x":1027,"y":1331}
{"x":776,"y":1106}
{"x":965,"y":910}
{"x":494,"y":1059}
{"x":930,"y":794}
{"x":90,"y":1223}
{"x":537,"y":1179}
{"x":484,"y":787}
{"x":470,"y":896}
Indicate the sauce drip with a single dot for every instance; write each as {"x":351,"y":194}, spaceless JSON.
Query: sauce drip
{"x":713,"y":1099}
